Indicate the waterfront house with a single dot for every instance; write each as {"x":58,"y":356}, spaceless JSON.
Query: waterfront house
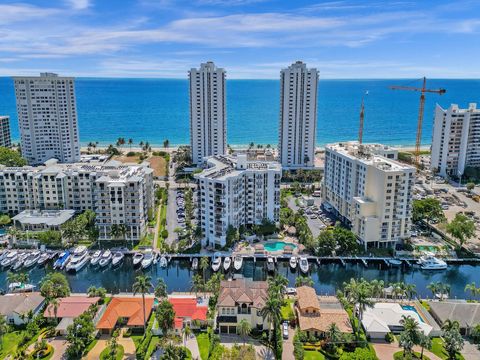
{"x":125,"y":312}
{"x":241,"y":299}
{"x":42,"y":220}
{"x":188,"y":312}
{"x":315,"y":319}
{"x":68,"y":309}
{"x":15,"y":307}
{"x":467,"y":314}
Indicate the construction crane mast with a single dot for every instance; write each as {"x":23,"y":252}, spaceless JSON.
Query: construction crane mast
{"x":423,"y":90}
{"x":362,"y":118}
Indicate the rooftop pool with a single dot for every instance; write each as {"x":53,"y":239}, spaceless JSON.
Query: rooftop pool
{"x":278,"y":245}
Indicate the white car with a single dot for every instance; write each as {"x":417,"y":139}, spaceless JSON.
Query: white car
{"x":285,"y":330}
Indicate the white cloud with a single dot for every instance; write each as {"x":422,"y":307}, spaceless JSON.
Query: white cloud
{"x":13,"y":13}
{"x":79,"y":4}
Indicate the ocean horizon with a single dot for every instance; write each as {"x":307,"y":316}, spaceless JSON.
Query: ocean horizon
{"x":155,"y":109}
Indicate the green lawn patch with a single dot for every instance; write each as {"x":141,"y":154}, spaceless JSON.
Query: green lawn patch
{"x":203,"y":345}
{"x":10,"y":343}
{"x":152,"y":346}
{"x":90,"y":346}
{"x":313,"y":355}
{"x":439,"y":350}
{"x":399,"y":356}
{"x":287,"y":310}
{"x":106,"y":351}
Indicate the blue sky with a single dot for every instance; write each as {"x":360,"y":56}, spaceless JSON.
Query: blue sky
{"x":250,"y":38}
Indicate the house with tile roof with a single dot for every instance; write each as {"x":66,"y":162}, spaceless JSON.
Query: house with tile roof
{"x":315,"y":319}
{"x":241,"y":299}
{"x":188,"y":312}
{"x":125,"y":311}
{"x":15,"y":306}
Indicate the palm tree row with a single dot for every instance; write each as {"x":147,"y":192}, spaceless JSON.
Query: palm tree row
{"x":472,"y":288}
{"x":439,"y":289}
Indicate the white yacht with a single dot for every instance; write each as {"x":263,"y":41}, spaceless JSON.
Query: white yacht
{"x":293,"y":262}
{"x":270,"y":264}
{"x":430,"y":262}
{"x":117,"y":258}
{"x":9,"y":259}
{"x":226,"y":263}
{"x":43,"y":258}
{"x":96,"y":257}
{"x":238,"y":262}
{"x":105,"y":259}
{"x":137,"y":258}
{"x":304,"y":266}
{"x":147,"y":259}
{"x":32,"y":259}
{"x":78,"y":260}
{"x":195,"y":264}
{"x":216,"y":262}
{"x":395,"y":262}
{"x":163,"y":262}
{"x":19,"y":261}
{"x":17,"y":287}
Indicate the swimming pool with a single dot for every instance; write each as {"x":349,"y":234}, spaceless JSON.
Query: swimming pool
{"x":277,"y":245}
{"x":414,"y":309}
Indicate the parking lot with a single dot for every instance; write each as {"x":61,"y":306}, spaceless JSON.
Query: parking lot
{"x":317,"y":218}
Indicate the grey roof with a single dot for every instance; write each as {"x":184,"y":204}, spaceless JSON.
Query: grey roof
{"x":467,"y":314}
{"x":47,"y":217}
{"x":20,"y":303}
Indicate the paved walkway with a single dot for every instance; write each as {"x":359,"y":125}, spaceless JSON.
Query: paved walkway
{"x":128,"y":347}
{"x":385,"y":351}
{"x":192,"y":345}
{"x":263,"y":352}
{"x":470,"y":351}
{"x":287,"y":353}
{"x":94,"y":354}
{"x":59,"y":345}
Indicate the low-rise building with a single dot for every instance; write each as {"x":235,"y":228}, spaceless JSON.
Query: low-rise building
{"x":314,"y":319}
{"x":42,"y":220}
{"x":369,"y":191}
{"x":15,"y":306}
{"x":241,"y":299}
{"x":119,"y":194}
{"x":188,"y":312}
{"x":466,"y":313}
{"x":5,"y":137}
{"x":233,"y":191}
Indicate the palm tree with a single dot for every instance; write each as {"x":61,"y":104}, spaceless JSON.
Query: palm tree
{"x":433,"y":287}
{"x":186,"y":334}
{"x":410,"y":290}
{"x":204,"y":265}
{"x":359,"y":293}
{"x":3,"y":329}
{"x":130,"y":143}
{"x":166,"y":143}
{"x":303,"y":281}
{"x":22,"y":278}
{"x":472,"y":288}
{"x":424,"y":341}
{"x":161,"y":289}
{"x":449,"y":325}
{"x":334,"y":335}
{"x":244,"y":329}
{"x":410,"y":334}
{"x":377,"y":288}
{"x":142,"y":285}
{"x":140,"y":144}
{"x":11,"y":278}
{"x":197,"y":284}
{"x":272,"y":314}
{"x":54,"y":303}
{"x":278,"y":284}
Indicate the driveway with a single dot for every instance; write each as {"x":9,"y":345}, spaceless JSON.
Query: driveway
{"x":128,"y":347}
{"x":192,"y":345}
{"x":94,"y":354}
{"x":287,"y":353}
{"x":262,"y":351}
{"x":59,"y":345}
{"x":385,"y":350}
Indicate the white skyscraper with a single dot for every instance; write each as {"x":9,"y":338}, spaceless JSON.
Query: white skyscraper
{"x":298,"y":116}
{"x":5,"y":138}
{"x":47,"y":118}
{"x":208,"y":124}
{"x":369,"y":190}
{"x":455,"y":139}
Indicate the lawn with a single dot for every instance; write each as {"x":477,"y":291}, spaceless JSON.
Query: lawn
{"x":287,"y":310}
{"x":10,"y":343}
{"x":158,"y":164}
{"x":439,"y":350}
{"x":313,"y":355}
{"x":203,"y":344}
{"x":399,"y":356}
{"x":120,"y":350}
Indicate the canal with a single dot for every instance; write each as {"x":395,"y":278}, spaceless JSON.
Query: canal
{"x":327,"y":277}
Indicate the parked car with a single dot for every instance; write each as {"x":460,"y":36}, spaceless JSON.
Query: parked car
{"x":285,"y":330}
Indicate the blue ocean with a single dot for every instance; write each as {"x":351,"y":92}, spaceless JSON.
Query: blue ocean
{"x":157,"y":109}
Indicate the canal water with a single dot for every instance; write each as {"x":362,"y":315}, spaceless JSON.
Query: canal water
{"x":328,"y":277}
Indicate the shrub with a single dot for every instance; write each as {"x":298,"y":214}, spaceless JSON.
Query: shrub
{"x":298,"y":350}
{"x":164,"y":233}
{"x":389,"y":337}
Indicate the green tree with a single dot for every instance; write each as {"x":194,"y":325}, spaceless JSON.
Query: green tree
{"x":334,"y":336}
{"x":453,"y":339}
{"x":472,"y":288}
{"x":5,"y":220}
{"x":197,"y":284}
{"x":204,"y":263}
{"x":3,"y":329}
{"x":271,"y":312}
{"x":346,"y":240}
{"x":427,"y":209}
{"x":424,"y":341}
{"x":461,"y":228}
{"x":11,"y":158}
{"x":141,"y":286}
{"x":80,"y":335}
{"x":359,"y":294}
{"x":470,"y":186}
{"x":54,"y":285}
{"x":326,"y":242}
{"x":186,"y":331}
{"x":172,"y":352}
{"x":244,"y":329}
{"x":113,"y":345}
{"x":410,"y":334}
{"x":303,"y":281}
{"x":165,"y":316}
{"x":161,"y":289}
{"x":434,"y":288}
{"x":166,"y":143}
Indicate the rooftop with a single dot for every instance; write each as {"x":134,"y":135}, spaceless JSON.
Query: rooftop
{"x":124,"y":307}
{"x":46,"y":217}
{"x":467,"y":314}
{"x":307,"y":298}
{"x":242,"y":290}
{"x":187,"y":307}
{"x":71,"y":307}
{"x":20,"y":303}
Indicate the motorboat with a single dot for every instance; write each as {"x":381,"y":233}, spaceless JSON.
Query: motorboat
{"x":270,"y":264}
{"x":226,"y":263}
{"x":147,"y":259}
{"x":237,"y":262}
{"x":62,"y":260}
{"x":17,"y":287}
{"x":163,"y":262}
{"x":78,"y":260}
{"x":156,"y":256}
{"x":394,"y":262}
{"x":44,"y":257}
{"x":3,"y":255}
{"x":216,"y":261}
{"x":430,"y":262}
{"x":32,"y":259}
{"x":195,"y":264}
{"x":137,"y":258}
{"x":293,"y":262}
{"x":96,"y":257}
{"x":117,"y":258}
{"x":105,"y":258}
{"x":20,"y":261}
{"x":304,"y":266}
{"x":9,"y":259}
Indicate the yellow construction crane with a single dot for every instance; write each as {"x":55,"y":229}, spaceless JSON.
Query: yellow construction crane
{"x":423,"y":90}
{"x":362,"y":118}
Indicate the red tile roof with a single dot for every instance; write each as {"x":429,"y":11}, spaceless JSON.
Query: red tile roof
{"x":71,"y":307}
{"x":122,"y":307}
{"x":187,"y":308}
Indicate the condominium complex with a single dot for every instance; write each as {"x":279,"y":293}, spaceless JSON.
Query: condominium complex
{"x":5,"y":137}
{"x":208,"y":122}
{"x":234,"y":191}
{"x":370,"y":191}
{"x":298,"y":116}
{"x":119,"y":194}
{"x":47,"y":118}
{"x":455,"y":140}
